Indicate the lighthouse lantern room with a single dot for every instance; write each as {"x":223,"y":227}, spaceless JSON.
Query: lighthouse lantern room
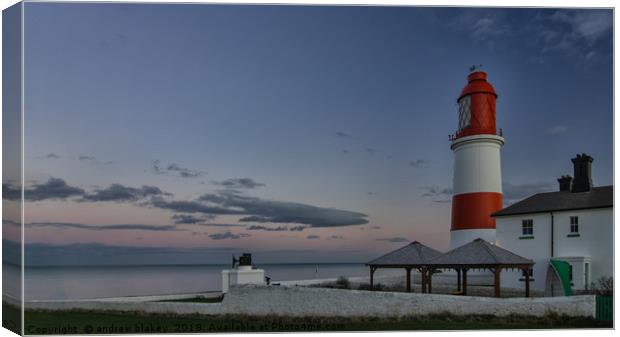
{"x":477,"y":184}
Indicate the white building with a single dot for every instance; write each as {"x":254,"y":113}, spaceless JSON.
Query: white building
{"x":242,"y":272}
{"x":574,"y":225}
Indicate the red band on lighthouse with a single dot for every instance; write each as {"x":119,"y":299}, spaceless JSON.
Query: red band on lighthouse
{"x":473,"y":210}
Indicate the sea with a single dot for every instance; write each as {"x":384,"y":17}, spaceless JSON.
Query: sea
{"x":82,"y":282}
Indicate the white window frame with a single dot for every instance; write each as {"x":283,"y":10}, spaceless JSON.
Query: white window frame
{"x":574,"y":224}
{"x":527,"y":227}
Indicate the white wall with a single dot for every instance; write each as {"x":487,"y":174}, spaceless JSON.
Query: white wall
{"x":595,"y":241}
{"x":508,"y":232}
{"x":303,"y":301}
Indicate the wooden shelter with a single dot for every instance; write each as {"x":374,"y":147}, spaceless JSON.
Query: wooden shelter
{"x":412,"y":256}
{"x":480,"y":254}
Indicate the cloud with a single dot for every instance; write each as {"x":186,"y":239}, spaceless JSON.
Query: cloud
{"x":276,"y":229}
{"x":336,"y":237}
{"x":52,"y":156}
{"x":370,"y":150}
{"x":574,"y":32}
{"x":312,"y":237}
{"x":10,"y":192}
{"x":254,"y":218}
{"x":118,"y":193}
{"x":438,"y":194}
{"x":192,"y":207}
{"x":221,"y":225}
{"x":54,"y":188}
{"x":342,"y":134}
{"x":58,"y":189}
{"x":589,"y":25}
{"x":418,"y":163}
{"x":345,"y":151}
{"x":85,"y":157}
{"x":227,"y":236}
{"x":482,"y":25}
{"x":165,"y":228}
{"x":240,"y":183}
{"x":269,"y":229}
{"x":157,"y":168}
{"x":93,"y":159}
{"x":487,"y":27}
{"x":183,"y":172}
{"x":260,"y":210}
{"x":187,"y":219}
{"x":557,"y":129}
{"x":397,"y":239}
{"x":517,"y":192}
{"x":175,"y":169}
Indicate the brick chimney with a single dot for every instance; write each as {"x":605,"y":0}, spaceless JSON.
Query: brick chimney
{"x":582,"y":165}
{"x":565,"y":183}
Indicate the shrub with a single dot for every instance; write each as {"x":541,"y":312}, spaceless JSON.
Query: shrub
{"x":603,"y":286}
{"x":343,"y":282}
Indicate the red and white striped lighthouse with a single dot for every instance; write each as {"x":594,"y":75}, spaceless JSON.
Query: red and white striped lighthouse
{"x":477,"y":185}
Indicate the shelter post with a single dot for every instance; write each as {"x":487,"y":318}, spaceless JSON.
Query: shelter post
{"x":527,"y":282}
{"x":497,"y":271}
{"x":458,"y":279}
{"x":372,"y":276}
{"x":464,"y":281}
{"x":430,"y":280}
{"x":423,"y":279}
{"x":408,"y":279}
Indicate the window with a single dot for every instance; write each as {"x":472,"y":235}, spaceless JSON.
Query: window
{"x":574,"y":224}
{"x":464,"y":112}
{"x":527,"y":227}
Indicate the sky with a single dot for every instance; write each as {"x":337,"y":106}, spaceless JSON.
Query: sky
{"x":181,"y":133}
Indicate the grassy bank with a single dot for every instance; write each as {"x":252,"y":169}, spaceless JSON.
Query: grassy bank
{"x":85,"y":322}
{"x":11,"y":317}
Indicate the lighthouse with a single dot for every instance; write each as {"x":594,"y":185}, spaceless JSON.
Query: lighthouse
{"x":477,"y":183}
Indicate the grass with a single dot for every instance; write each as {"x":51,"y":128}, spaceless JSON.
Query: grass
{"x":11,"y":317}
{"x":86,"y":322}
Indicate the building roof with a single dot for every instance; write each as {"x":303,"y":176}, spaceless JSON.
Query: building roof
{"x":479,"y":253}
{"x":412,"y":254}
{"x":597,"y":197}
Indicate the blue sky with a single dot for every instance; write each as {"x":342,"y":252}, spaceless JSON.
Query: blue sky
{"x":330,"y":120}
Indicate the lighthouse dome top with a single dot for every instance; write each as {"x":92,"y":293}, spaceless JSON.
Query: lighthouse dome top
{"x":477,"y":83}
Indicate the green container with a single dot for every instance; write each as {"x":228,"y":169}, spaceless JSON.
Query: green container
{"x":604,"y":308}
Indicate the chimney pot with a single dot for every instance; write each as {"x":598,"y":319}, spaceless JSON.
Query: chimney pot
{"x":565,"y":183}
{"x":582,"y":166}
